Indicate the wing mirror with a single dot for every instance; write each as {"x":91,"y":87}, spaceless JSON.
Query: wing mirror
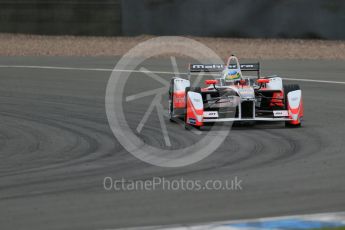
{"x":263,"y":80}
{"x":211,"y":82}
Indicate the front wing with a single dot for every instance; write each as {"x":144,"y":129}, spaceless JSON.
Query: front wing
{"x":197,"y":116}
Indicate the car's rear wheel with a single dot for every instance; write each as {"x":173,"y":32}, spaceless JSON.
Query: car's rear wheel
{"x":171,"y":101}
{"x":186,"y":125}
{"x":171,"y":108}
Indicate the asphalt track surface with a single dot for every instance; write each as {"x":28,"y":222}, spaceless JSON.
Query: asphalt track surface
{"x":56,"y":147}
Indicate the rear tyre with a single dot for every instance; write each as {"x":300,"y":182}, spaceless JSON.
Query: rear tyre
{"x":186,"y":125}
{"x":287,"y":89}
{"x":171,"y":109}
{"x":289,"y":125}
{"x":171,"y":100}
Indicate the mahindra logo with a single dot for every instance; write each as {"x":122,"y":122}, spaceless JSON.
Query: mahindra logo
{"x":197,"y":66}
{"x":214,"y":66}
{"x":211,"y":66}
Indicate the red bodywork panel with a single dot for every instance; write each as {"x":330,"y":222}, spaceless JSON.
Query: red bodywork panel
{"x":179,"y":100}
{"x":277,"y":99}
{"x":298,"y":111}
{"x":192,"y":114}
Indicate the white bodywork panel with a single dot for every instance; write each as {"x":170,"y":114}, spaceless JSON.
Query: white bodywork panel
{"x":196,"y":100}
{"x":180,"y":84}
{"x":197,"y":104}
{"x":276,"y":83}
{"x":294,"y":99}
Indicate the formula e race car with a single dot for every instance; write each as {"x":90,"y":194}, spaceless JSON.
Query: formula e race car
{"x":233,"y":97}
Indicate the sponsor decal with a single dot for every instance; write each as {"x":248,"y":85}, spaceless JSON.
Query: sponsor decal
{"x":232,"y":66}
{"x":192,"y":121}
{"x":280,"y":113}
{"x":211,"y":114}
{"x":206,"y":66}
{"x":246,"y":92}
{"x":214,"y":66}
{"x":243,"y":66}
{"x":196,"y":66}
{"x":232,"y":75}
{"x":179,"y":100}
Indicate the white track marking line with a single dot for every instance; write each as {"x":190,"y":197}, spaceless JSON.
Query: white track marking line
{"x":161,"y":90}
{"x":142,"y":71}
{"x":174,"y":65}
{"x":86,"y":69}
{"x":311,"y":80}
{"x":181,"y":123}
{"x":160,"y":112}
{"x":338,"y":217}
{"x":154,"y":76}
{"x":198,"y":79}
{"x":54,"y":67}
{"x":148,"y":112}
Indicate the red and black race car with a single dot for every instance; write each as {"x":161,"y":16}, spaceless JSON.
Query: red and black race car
{"x":233,"y":97}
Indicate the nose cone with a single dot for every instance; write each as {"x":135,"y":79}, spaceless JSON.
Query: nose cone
{"x":246,"y":93}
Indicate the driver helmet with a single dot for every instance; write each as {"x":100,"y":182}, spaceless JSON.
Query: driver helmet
{"x":232,"y":75}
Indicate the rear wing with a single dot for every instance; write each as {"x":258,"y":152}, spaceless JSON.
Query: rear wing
{"x":246,"y":67}
{"x":194,"y":68}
